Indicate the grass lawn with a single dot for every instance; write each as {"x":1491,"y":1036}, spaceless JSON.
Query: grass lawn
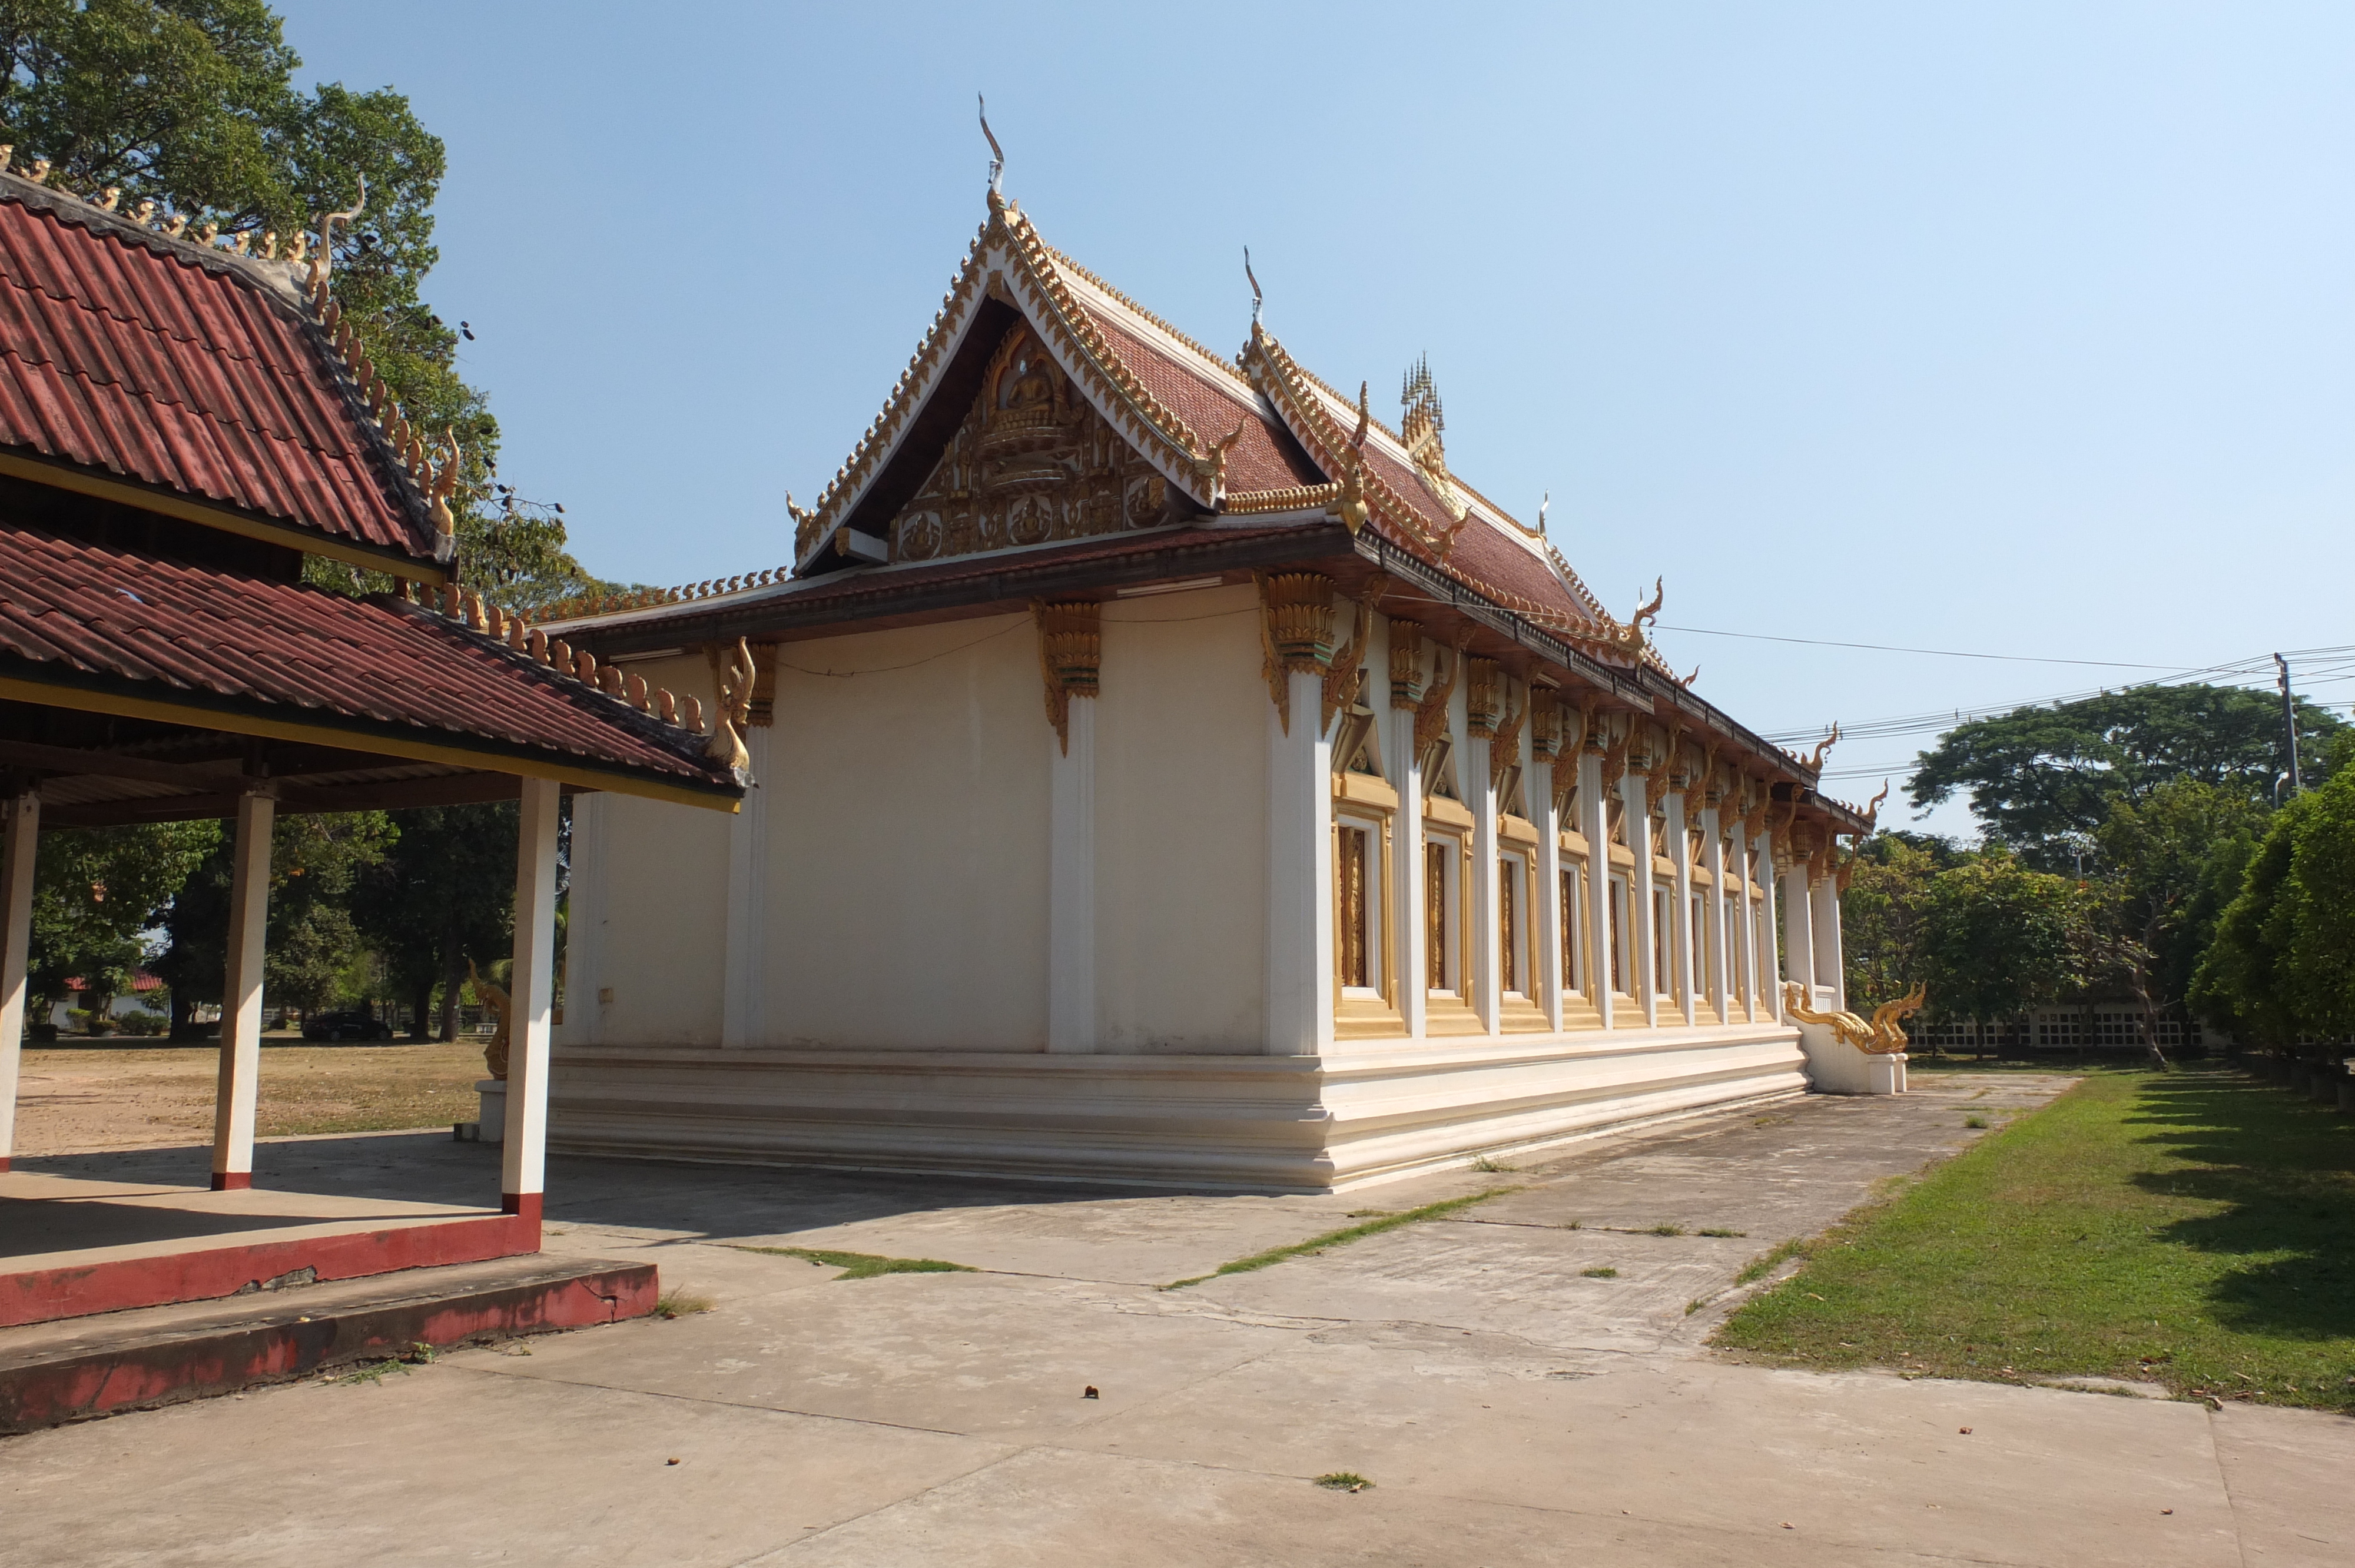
{"x":2194,"y":1228}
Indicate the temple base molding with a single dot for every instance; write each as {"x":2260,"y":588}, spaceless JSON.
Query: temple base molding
{"x":1361,"y":1113}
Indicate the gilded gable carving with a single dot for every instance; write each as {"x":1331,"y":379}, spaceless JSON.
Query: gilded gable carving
{"x":1032,"y":462}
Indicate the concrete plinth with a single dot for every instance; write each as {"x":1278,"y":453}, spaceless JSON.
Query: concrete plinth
{"x":492,"y":1128}
{"x":1836,"y":1067}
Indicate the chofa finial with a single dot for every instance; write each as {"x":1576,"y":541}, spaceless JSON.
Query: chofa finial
{"x":1541,"y":512}
{"x":324,"y":261}
{"x":997,"y":152}
{"x":1258,"y":300}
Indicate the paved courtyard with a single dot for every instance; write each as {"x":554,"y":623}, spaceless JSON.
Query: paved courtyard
{"x":1508,"y":1406}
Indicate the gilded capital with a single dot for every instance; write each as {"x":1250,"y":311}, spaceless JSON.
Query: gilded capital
{"x":1482,"y":705}
{"x":1406,"y":664}
{"x":1070,"y":656}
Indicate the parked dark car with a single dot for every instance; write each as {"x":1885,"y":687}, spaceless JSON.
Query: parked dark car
{"x":337,"y":1027}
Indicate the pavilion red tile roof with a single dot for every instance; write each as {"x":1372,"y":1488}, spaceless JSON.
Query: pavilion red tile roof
{"x":79,"y":618}
{"x":188,"y":370}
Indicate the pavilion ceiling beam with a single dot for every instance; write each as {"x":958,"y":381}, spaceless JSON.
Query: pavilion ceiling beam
{"x":74,"y":761}
{"x":392,"y":795}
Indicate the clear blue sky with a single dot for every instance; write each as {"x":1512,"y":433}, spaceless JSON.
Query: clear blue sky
{"x":2009,"y":328}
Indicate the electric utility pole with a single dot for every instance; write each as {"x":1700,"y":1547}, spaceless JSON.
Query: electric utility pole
{"x":2289,"y":719}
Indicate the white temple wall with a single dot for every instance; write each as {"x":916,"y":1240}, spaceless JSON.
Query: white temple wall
{"x":1181,"y":835}
{"x":907,"y":841}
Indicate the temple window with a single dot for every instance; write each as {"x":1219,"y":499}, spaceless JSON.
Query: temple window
{"x":1358,"y":889}
{"x":1441,"y":894}
{"x":1511,"y":874}
{"x":1664,"y":942}
{"x":1573,"y":926}
{"x":1620,"y":926}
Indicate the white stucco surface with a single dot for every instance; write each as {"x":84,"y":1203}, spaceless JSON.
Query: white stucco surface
{"x":1181,"y":824}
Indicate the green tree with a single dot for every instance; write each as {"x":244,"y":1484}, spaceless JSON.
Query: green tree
{"x":1999,"y":938}
{"x":444,"y":895}
{"x":2319,"y":905}
{"x":1882,"y":914}
{"x":2239,"y":983}
{"x":192,"y":104}
{"x":2157,"y":855}
{"x":2041,"y":779}
{"x":98,"y":894}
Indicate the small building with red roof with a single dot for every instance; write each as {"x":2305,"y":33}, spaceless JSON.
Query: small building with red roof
{"x":1172,"y":772}
{"x":186,"y":423}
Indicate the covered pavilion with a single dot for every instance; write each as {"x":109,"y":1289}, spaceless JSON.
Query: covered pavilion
{"x":202,"y":478}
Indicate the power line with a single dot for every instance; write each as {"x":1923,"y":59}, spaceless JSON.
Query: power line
{"x":1884,"y":648}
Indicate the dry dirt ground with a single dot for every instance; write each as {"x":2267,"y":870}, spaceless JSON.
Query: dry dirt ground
{"x":124,"y":1094}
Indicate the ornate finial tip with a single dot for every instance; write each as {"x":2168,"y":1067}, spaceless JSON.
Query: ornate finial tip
{"x":1258,"y":300}
{"x":997,"y":152}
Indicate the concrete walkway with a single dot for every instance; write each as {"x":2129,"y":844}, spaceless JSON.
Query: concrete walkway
{"x":1508,"y":1407}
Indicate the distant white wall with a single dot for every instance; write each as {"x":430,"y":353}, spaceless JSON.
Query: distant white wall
{"x":908,"y":841}
{"x":1181,"y":824}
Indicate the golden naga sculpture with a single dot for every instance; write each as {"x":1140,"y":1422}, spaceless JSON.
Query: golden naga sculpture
{"x":733,"y":712}
{"x":1628,"y":636}
{"x":1884,"y":1036}
{"x":1873,"y":808}
{"x":495,"y":1054}
{"x":1816,"y":762}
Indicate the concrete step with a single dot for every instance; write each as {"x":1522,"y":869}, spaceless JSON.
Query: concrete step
{"x":79,"y":1367}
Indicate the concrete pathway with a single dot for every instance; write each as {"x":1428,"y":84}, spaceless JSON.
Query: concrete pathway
{"x":1510,"y":1407}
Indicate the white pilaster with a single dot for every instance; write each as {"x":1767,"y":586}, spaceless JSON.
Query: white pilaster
{"x":1299,"y":874}
{"x":1770,"y":958}
{"x":523,"y":1155}
{"x":588,"y":903}
{"x":239,"y":1086}
{"x":1720,"y":968}
{"x":1596,"y":823}
{"x":1745,"y":932}
{"x":744,"y":998}
{"x":1824,"y":908}
{"x":1681,"y":923}
{"x":1071,"y":879}
{"x":1410,"y":979}
{"x":1639,"y":896}
{"x":1798,"y":920}
{"x":1548,"y":889}
{"x":1488,"y":997}
{"x":19,"y":845}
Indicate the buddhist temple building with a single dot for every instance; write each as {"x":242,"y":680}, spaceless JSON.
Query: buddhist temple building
{"x":201,"y":476}
{"x":1169,"y":771}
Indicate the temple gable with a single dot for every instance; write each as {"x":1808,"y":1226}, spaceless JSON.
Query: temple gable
{"x":1032,"y":462}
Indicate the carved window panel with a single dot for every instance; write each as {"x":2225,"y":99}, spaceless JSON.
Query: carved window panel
{"x":1575,"y":935}
{"x":1512,"y":969}
{"x":1621,"y":925}
{"x":1442,"y":899}
{"x":1357,"y":932}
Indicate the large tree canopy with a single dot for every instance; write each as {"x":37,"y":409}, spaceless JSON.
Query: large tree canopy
{"x":192,"y":103}
{"x":2043,"y":780}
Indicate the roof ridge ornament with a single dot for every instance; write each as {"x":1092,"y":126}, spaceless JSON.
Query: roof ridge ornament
{"x":1258,"y":300}
{"x":324,"y":262}
{"x":996,"y":157}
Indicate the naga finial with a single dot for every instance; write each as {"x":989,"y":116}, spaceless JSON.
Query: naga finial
{"x":324,"y":262}
{"x":1258,"y":300}
{"x":1872,"y":807}
{"x":996,"y":154}
{"x":1213,"y":462}
{"x":1815,"y":763}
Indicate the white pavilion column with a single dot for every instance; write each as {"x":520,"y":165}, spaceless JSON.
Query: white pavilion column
{"x":1721,"y":968}
{"x":1548,"y":895}
{"x":1824,"y":899}
{"x":1071,"y":879}
{"x":1487,"y":949}
{"x":1798,"y":922}
{"x":1680,"y":923}
{"x":1407,"y":967}
{"x":1638,"y":814}
{"x":1745,"y":932}
{"x":20,"y":842}
{"x":239,"y":1087}
{"x":523,"y":1155}
{"x":743,"y":996}
{"x":1770,"y":957}
{"x":1596,"y":823}
{"x":588,"y":904}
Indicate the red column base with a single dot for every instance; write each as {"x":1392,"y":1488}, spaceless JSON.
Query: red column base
{"x":4,"y":1164}
{"x":232,"y":1180}
{"x":524,"y":1205}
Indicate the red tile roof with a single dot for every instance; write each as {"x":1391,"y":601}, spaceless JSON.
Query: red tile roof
{"x":184,"y":368}
{"x":1267,"y":458}
{"x":75,"y":616}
